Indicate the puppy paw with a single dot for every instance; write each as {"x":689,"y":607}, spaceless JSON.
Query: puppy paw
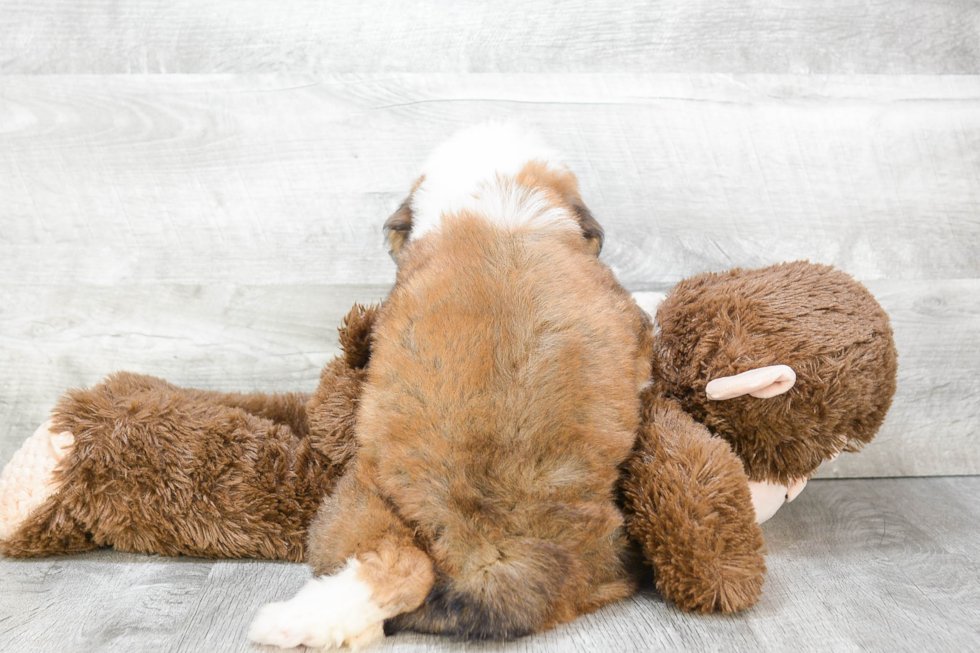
{"x":28,"y":479}
{"x":280,"y":624}
{"x":332,"y":611}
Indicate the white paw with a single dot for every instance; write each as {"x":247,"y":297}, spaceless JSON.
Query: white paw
{"x":332,"y":611}
{"x":28,"y":479}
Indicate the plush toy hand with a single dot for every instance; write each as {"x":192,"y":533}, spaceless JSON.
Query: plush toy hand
{"x":649,"y":301}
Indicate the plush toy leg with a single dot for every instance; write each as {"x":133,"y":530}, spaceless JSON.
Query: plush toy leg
{"x":28,"y":479}
{"x":152,"y":468}
{"x":691,"y":511}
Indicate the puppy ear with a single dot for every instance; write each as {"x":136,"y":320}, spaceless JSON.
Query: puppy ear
{"x":559,"y":181}
{"x":398,"y":227}
{"x":591,"y":229}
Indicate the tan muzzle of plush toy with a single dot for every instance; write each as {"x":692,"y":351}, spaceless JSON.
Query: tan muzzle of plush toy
{"x":767,"y":498}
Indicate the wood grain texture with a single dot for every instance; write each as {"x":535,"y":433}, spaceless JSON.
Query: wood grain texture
{"x":209,"y":179}
{"x":182,"y":36}
{"x":859,"y":565}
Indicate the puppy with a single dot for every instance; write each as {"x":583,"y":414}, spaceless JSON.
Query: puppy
{"x":502,"y":396}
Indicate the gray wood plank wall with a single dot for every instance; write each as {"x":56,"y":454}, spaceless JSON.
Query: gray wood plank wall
{"x":212,"y":226}
{"x":718,"y":36}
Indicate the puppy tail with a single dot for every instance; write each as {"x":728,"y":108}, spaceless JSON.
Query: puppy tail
{"x":511,"y":596}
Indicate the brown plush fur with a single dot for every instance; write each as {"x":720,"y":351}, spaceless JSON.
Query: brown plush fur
{"x":492,"y":425}
{"x":687,"y":503}
{"x":814,"y":318}
{"x":331,"y":409}
{"x":152,"y":469}
{"x":167,"y":470}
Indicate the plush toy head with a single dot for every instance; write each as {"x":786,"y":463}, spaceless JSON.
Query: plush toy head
{"x":822,"y":324}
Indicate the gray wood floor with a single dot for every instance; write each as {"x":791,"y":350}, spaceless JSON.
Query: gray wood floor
{"x":854,"y":565}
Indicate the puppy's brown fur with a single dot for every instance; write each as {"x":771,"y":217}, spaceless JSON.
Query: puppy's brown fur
{"x":492,"y":425}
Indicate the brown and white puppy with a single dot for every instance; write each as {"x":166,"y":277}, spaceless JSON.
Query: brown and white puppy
{"x":502,"y":396}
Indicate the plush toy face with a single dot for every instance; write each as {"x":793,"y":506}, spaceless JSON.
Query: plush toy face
{"x":761,"y":383}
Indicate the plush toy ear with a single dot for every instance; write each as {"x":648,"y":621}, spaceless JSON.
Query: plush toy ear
{"x":559,"y":180}
{"x":762,"y":382}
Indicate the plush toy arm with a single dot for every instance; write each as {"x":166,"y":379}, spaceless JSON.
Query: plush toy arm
{"x":154,"y":468}
{"x":687,"y":503}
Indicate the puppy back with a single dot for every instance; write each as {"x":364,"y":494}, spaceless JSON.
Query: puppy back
{"x":502,"y":397}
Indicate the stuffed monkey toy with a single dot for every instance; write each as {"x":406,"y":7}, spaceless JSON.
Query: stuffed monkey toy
{"x":758,"y":377}
{"x":790,"y":365}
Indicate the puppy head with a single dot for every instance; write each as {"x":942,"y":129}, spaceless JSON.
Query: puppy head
{"x":501,"y":173}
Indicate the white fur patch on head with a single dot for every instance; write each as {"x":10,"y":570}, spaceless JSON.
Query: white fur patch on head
{"x":474,"y":171}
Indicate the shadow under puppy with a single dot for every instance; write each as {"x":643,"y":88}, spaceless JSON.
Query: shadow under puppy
{"x":501,"y":399}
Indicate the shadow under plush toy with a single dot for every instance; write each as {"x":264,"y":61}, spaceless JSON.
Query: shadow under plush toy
{"x":785,"y":366}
